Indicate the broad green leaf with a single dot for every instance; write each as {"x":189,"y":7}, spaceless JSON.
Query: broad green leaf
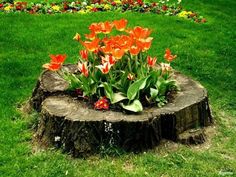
{"x":153,"y":93}
{"x":117,"y":97}
{"x":108,"y":90}
{"x":135,"y":87}
{"x":136,"y":106}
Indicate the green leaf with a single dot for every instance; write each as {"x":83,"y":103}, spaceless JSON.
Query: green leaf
{"x":108,"y":90}
{"x":153,"y":93}
{"x":135,"y":87}
{"x":117,"y":97}
{"x":136,"y":106}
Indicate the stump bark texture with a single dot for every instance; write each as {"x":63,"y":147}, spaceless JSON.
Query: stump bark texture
{"x":68,"y":123}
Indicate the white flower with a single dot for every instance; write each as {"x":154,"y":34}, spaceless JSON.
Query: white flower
{"x":57,"y":138}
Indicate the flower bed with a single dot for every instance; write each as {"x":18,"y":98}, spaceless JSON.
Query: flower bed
{"x":116,"y":69}
{"x":162,"y":7}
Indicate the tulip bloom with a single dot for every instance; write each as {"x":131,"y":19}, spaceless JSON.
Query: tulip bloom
{"x":106,"y":49}
{"x":96,"y":28}
{"x":130,"y":76}
{"x":77,"y":37}
{"x":151,"y":61}
{"x":140,"y":33}
{"x":134,"y":50}
{"x":108,"y":58}
{"x":168,"y":55}
{"x":84,"y":54}
{"x":106,"y":27}
{"x":144,"y":44}
{"x":90,"y":36}
{"x":52,"y":66}
{"x":118,"y":53}
{"x":165,"y":67}
{"x":83,"y":68}
{"x":58,"y":58}
{"x":91,"y":45}
{"x":105,"y":68}
{"x":55,"y":63}
{"x":120,"y":24}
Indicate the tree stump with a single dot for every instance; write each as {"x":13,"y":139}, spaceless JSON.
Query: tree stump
{"x":68,"y":123}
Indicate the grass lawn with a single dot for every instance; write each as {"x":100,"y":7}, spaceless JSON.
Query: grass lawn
{"x":206,"y":52}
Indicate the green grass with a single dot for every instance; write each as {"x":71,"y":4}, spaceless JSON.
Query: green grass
{"x":206,"y":52}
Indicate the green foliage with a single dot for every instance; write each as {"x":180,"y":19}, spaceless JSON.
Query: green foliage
{"x":134,"y":88}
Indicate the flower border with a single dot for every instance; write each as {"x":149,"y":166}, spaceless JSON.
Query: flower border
{"x":101,"y":6}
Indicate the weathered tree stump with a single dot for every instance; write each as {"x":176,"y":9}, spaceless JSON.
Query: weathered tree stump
{"x":68,"y":123}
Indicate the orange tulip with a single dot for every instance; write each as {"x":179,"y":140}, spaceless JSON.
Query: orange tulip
{"x":126,"y":42}
{"x":106,"y":27}
{"x":52,"y":66}
{"x":91,"y":45}
{"x":151,"y":61}
{"x":55,"y":63}
{"x":144,"y":44}
{"x":96,"y":28}
{"x":118,"y":53}
{"x":120,"y":24}
{"x":90,"y":36}
{"x":140,"y":33}
{"x":84,"y":54}
{"x":83,"y":68}
{"x":134,"y":50}
{"x":58,"y":58}
{"x":168,"y":55}
{"x":106,"y":49}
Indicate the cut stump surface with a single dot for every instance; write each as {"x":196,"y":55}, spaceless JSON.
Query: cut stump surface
{"x":68,"y":123}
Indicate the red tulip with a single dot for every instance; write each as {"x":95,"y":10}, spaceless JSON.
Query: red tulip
{"x":105,"y":67}
{"x":151,"y":61}
{"x":84,"y":54}
{"x":55,"y":63}
{"x":52,"y":66}
{"x":83,"y":68}
{"x":58,"y":58}
{"x":168,"y":55}
{"x":108,"y":58}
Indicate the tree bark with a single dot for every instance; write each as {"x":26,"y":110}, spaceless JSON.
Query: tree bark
{"x":68,"y":123}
